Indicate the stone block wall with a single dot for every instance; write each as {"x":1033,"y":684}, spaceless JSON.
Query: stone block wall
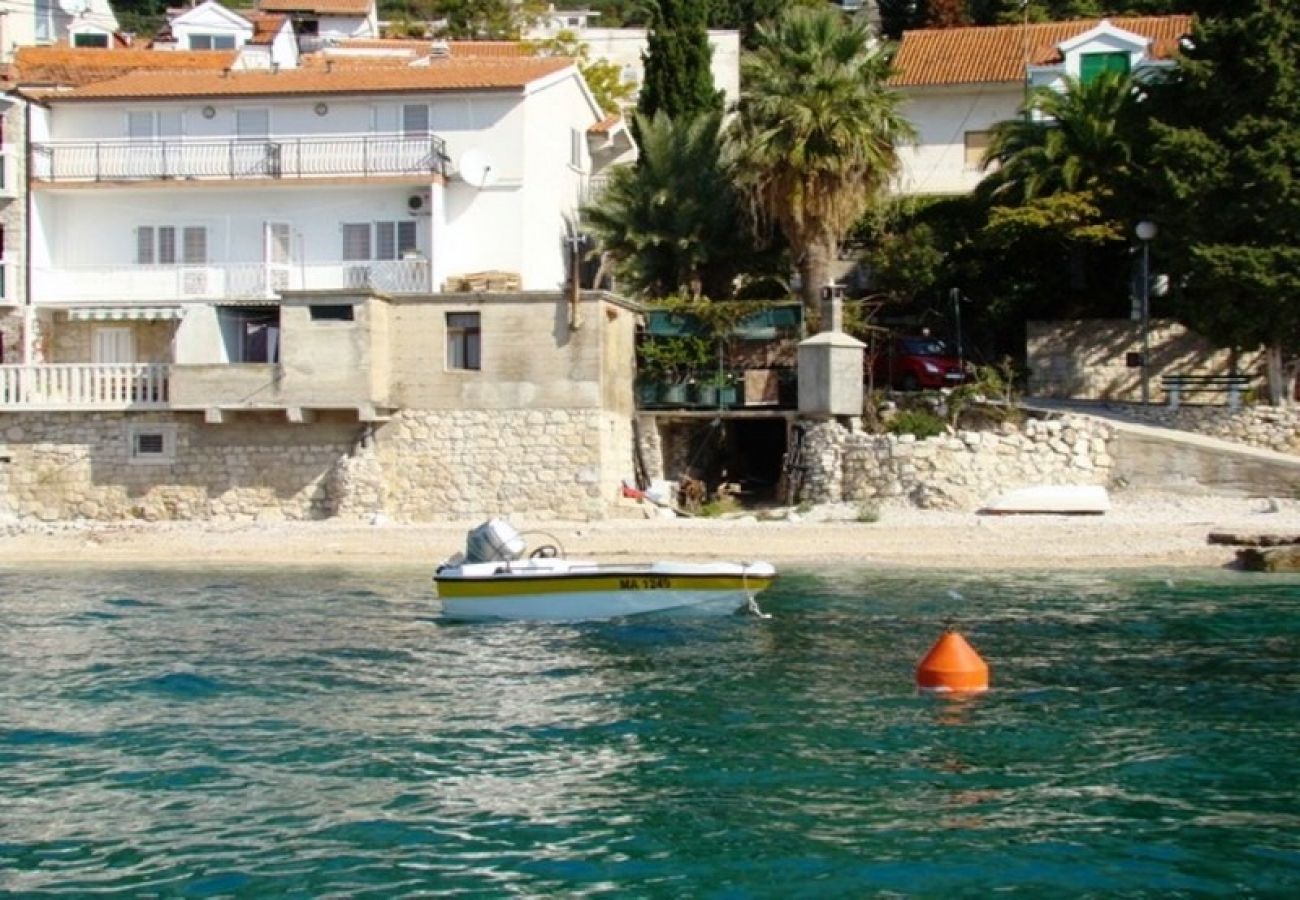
{"x":56,"y":466}
{"x":73,"y":342}
{"x":1270,"y":427}
{"x":961,"y":471}
{"x":421,"y":466}
{"x":476,"y":463}
{"x":11,"y":336}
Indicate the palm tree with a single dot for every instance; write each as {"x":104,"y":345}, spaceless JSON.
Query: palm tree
{"x":1080,"y":140}
{"x":815,"y":134}
{"x":672,"y":223}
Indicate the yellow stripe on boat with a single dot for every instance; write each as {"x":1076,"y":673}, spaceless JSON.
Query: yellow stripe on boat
{"x":524,"y":585}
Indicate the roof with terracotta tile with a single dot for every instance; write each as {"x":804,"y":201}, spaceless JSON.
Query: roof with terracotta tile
{"x":423,"y":46}
{"x":266,"y":26}
{"x":998,"y":54}
{"x":607,"y":124}
{"x":77,"y":66}
{"x":320,"y":7}
{"x":442,"y":75}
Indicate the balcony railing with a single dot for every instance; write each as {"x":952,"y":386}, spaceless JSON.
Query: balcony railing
{"x":84,"y":386}
{"x":282,"y":158}
{"x":227,"y":281}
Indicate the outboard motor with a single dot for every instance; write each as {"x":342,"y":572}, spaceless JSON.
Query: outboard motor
{"x":494,"y":541}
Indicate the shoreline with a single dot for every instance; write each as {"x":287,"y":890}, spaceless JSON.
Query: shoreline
{"x":1140,"y":531}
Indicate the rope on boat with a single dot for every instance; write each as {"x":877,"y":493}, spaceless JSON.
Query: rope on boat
{"x":753,"y":608}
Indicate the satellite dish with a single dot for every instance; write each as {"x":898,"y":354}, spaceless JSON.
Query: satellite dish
{"x":476,"y":168}
{"x":74,"y":7}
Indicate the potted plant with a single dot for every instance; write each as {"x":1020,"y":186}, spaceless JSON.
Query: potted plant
{"x":668,"y":363}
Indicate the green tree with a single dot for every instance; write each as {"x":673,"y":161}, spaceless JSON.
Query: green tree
{"x":484,"y":19}
{"x":673,"y":224}
{"x":1079,"y":139}
{"x":1228,"y":147}
{"x":678,"y":79}
{"x":604,"y":78}
{"x":813,"y":141}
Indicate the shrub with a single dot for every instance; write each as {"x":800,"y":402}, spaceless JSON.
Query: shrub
{"x":868,"y":512}
{"x":919,"y":422}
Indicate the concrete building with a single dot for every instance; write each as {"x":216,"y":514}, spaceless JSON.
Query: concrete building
{"x":960,"y":82}
{"x":247,"y":290}
{"x":77,"y":23}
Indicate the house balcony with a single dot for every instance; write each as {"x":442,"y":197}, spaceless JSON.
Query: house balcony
{"x":225,"y":281}
{"x":85,"y":386}
{"x":281,"y":158}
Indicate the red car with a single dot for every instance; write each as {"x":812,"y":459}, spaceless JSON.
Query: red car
{"x":913,"y":363}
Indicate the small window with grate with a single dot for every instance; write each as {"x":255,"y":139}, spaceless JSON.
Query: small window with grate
{"x":339,"y":312}
{"x":148,"y":444}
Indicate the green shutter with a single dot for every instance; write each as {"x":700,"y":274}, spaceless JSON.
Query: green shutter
{"x":1093,"y":64}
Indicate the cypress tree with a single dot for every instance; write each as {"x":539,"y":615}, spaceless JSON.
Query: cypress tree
{"x":678,"y":80}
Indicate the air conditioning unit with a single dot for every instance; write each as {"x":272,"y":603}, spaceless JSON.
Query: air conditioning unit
{"x":419,"y":204}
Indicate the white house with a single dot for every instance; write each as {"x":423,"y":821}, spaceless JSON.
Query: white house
{"x":960,"y":82}
{"x":80,"y":23}
{"x":261,"y":40}
{"x":201,"y":196}
{"x":318,"y":22}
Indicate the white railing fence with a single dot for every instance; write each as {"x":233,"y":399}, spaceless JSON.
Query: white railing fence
{"x":84,"y":386}
{"x":226,"y":281}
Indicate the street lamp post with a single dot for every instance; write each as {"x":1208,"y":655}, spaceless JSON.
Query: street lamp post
{"x":1146,"y":230}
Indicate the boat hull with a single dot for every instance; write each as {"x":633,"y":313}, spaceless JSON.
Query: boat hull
{"x":576,"y":596}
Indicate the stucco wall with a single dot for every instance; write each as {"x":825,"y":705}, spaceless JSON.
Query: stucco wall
{"x":1085,"y":359}
{"x":73,"y":342}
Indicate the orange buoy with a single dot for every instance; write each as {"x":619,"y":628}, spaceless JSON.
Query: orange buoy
{"x":952,"y":666}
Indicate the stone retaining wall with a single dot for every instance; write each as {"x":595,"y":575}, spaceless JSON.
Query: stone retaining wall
{"x":420,"y":466}
{"x":1270,"y":427}
{"x":958,"y":471}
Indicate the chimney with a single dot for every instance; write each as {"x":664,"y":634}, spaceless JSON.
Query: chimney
{"x":833,"y":308}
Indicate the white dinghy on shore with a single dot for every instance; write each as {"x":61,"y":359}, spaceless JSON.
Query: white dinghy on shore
{"x":493,"y":580}
{"x":1052,"y":499}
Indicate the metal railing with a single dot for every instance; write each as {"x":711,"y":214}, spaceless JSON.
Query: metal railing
{"x":226,"y":281}
{"x":281,"y":158}
{"x":84,"y":386}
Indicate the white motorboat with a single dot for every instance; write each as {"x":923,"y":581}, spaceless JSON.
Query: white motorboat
{"x":494,"y":580}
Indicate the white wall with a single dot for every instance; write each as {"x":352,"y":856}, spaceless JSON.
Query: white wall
{"x":624,"y":46}
{"x":18,"y":25}
{"x":514,"y":224}
{"x":936,"y":164}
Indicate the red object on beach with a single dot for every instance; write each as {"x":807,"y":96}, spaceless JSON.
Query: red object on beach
{"x":952,"y":666}
{"x":633,"y":493}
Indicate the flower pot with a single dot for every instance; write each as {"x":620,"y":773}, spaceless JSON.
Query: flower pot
{"x":648,"y":392}
{"x":674,"y":394}
{"x":706,"y":395}
{"x":729,"y":395}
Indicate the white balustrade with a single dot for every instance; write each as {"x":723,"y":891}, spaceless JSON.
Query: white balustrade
{"x":84,"y":386}
{"x":224,"y":281}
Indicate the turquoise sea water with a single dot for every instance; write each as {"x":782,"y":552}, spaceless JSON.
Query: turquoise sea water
{"x":322,"y":734}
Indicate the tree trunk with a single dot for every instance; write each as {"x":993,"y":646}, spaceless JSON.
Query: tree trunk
{"x":1281,"y":378}
{"x":815,"y":274}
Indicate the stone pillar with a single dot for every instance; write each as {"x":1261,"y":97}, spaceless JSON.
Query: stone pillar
{"x":830,"y":367}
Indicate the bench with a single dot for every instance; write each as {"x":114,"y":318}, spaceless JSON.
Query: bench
{"x":1178,"y":385}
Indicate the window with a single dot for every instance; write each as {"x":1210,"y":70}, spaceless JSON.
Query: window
{"x":356,"y":240}
{"x":377,"y":240}
{"x":1093,"y":64}
{"x":463,"y":341}
{"x":150,"y":444}
{"x":90,"y":40}
{"x":152,"y":125}
{"x":157,"y":245}
{"x":977,"y":142}
{"x":576,"y":139}
{"x":415,"y":119}
{"x":341,"y":312}
{"x":252,"y":124}
{"x":212,"y":42}
{"x":251,"y":334}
